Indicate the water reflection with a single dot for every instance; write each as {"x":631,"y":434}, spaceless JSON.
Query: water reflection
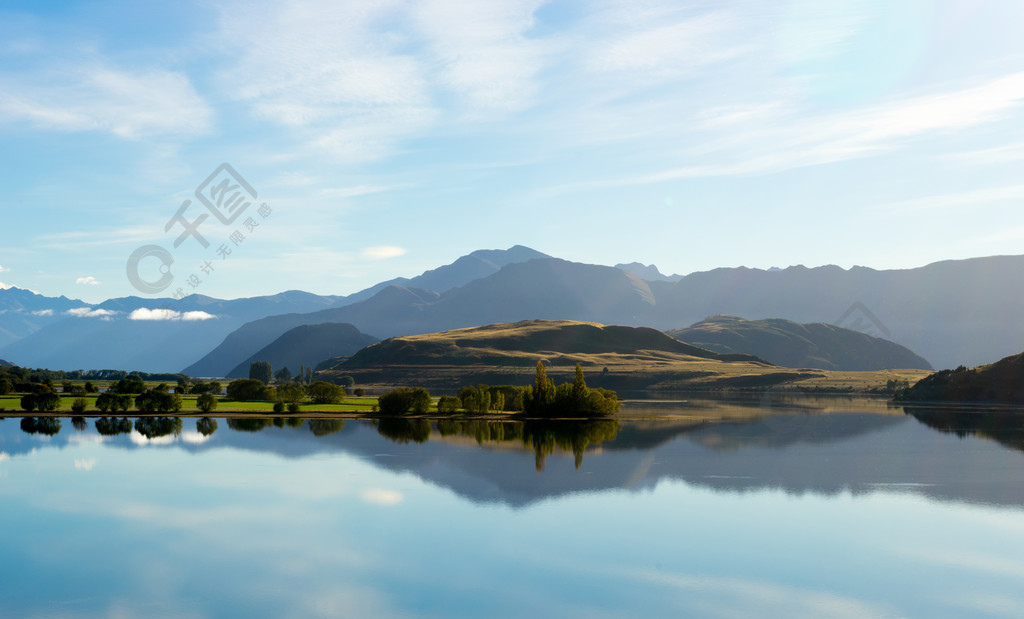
{"x":206,"y":426}
{"x":112,"y":426}
{"x":1004,"y":427}
{"x":47,"y":426}
{"x":155,"y":427}
{"x":403,"y":431}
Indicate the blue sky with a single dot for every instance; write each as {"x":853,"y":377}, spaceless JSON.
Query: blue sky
{"x":391,"y":137}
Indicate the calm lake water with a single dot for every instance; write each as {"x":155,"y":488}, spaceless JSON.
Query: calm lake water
{"x":816,"y":508}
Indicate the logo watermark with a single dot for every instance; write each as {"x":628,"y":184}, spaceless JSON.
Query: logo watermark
{"x":859,"y":318}
{"x":227,"y":196}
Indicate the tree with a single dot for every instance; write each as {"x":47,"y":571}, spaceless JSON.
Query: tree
{"x":91,"y":388}
{"x":309,"y":374}
{"x":246,"y":389}
{"x":79,"y":405}
{"x":326,"y":393}
{"x":360,"y":391}
{"x":292,"y":393}
{"x":405,"y":400}
{"x":206,"y":403}
{"x":448,"y":404}
{"x":284,"y":375}
{"x":347,"y":381}
{"x":261,"y":371}
{"x":6,"y":386}
{"x":131,"y":384}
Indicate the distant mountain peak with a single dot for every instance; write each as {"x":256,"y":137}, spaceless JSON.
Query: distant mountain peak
{"x":647,"y":271}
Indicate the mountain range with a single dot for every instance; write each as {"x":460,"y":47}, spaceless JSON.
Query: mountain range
{"x":951,"y":312}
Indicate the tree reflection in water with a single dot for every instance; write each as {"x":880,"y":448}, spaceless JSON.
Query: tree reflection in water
{"x":404,"y":430}
{"x":249,"y":424}
{"x":206,"y":426}
{"x":79,"y":423}
{"x":112,"y":426}
{"x":542,"y":436}
{"x":153,"y":427}
{"x":40,"y":425}
{"x":323,"y":427}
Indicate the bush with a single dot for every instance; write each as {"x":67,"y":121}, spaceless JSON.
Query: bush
{"x":293,"y":393}
{"x":278,"y":407}
{"x":6,"y":386}
{"x":79,"y":405}
{"x":360,"y":391}
{"x":28,"y":403}
{"x":206,"y":403}
{"x":405,"y":400}
{"x":447,"y":405}
{"x":293,"y":408}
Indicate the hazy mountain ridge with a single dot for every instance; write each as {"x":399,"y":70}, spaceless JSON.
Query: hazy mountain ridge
{"x":795,"y":345}
{"x":307,"y":345}
{"x":950,"y":312}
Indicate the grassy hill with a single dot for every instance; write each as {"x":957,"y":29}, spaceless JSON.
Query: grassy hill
{"x":614,"y":357}
{"x":795,"y":345}
{"x":1001,"y":382}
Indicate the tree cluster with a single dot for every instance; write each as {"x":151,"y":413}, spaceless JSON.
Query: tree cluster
{"x":544,"y":399}
{"x":405,"y":400}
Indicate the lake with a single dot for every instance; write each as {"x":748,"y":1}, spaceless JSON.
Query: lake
{"x":762,"y":507}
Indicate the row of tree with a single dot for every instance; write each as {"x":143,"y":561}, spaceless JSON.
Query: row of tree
{"x":542,"y":399}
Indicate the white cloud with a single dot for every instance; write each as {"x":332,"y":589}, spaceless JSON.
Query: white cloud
{"x":98,"y":98}
{"x":144,"y":313}
{"x":88,"y":312}
{"x":383,"y":252}
{"x":2,"y":269}
{"x":380,"y":496}
{"x":90,"y":280}
{"x":45,"y":312}
{"x":4,"y":286}
{"x":85,"y":464}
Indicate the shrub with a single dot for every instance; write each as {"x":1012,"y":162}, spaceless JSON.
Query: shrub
{"x":293,"y":408}
{"x":158,"y":401}
{"x":360,"y":391}
{"x":48,"y":402}
{"x":79,"y":405}
{"x":278,"y":407}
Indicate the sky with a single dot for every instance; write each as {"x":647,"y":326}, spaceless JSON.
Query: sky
{"x":369,"y":140}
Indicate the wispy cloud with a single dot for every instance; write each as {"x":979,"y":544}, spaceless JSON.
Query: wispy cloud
{"x":383,"y":252}
{"x":483,"y":52}
{"x":957,"y":200}
{"x":99,"y":98}
{"x":89,"y":280}
{"x":144,"y":313}
{"x":45,"y":312}
{"x":2,"y":269}
{"x":85,"y":464}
